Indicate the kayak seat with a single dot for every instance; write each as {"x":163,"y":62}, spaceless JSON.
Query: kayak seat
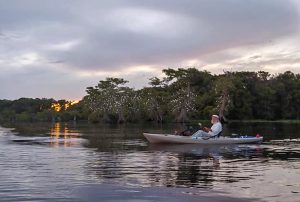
{"x":217,"y":135}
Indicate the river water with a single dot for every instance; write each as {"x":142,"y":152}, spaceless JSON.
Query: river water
{"x":85,"y":162}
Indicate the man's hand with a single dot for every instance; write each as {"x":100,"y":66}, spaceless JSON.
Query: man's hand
{"x":206,"y":129}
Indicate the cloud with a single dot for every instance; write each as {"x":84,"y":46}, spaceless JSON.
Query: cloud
{"x":206,"y":28}
{"x":36,"y":82}
{"x":103,"y":38}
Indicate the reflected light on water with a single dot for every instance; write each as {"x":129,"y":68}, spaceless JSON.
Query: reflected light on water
{"x":64,"y":157}
{"x":60,"y":134}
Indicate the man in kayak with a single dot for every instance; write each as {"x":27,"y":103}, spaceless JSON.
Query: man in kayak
{"x":215,"y":129}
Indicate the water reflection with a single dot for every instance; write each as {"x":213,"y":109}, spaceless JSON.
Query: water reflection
{"x":61,"y":134}
{"x":176,"y":165}
{"x":57,"y":135}
{"x":120,"y":155}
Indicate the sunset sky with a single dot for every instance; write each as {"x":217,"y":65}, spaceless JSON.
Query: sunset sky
{"x":57,"y":48}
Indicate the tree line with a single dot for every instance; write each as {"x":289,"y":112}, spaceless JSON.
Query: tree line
{"x":182,"y":95}
{"x":189,"y":94}
{"x":40,"y":110}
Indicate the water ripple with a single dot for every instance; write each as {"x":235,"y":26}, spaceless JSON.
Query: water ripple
{"x":50,"y":166}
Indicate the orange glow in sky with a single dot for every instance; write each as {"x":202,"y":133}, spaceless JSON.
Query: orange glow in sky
{"x":56,"y":106}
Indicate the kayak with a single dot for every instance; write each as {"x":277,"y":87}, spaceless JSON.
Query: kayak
{"x":177,"y":139}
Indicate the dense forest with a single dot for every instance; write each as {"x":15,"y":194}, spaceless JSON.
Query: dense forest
{"x":41,"y":110}
{"x":182,"y":95}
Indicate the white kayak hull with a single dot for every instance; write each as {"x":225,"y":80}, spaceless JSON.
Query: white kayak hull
{"x":176,"y":139}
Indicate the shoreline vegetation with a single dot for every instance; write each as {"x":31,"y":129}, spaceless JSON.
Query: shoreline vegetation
{"x":252,"y":121}
{"x":182,"y":95}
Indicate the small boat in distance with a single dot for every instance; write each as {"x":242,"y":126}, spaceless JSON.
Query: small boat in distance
{"x":177,"y":139}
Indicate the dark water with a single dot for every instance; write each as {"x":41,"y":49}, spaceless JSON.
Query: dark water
{"x":82,"y":162}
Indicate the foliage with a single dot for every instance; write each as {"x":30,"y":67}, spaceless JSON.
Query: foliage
{"x":182,"y":94}
{"x":185,"y":94}
{"x":109,"y":100}
{"x":31,"y":110}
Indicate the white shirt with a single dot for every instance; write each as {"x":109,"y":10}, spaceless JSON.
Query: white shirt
{"x":216,"y":128}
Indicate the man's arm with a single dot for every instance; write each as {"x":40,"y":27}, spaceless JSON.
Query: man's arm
{"x":207,"y":129}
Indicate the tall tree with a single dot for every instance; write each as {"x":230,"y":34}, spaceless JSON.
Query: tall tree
{"x":154,"y":99}
{"x":223,"y":87}
{"x":108,"y":99}
{"x":183,"y":99}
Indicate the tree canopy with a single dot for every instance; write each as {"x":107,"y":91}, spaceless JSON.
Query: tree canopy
{"x":186,"y":94}
{"x":182,"y":95}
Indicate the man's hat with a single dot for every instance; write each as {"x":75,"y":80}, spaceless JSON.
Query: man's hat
{"x":216,"y":116}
